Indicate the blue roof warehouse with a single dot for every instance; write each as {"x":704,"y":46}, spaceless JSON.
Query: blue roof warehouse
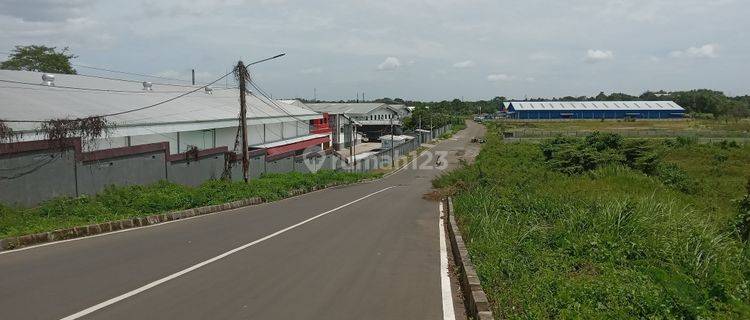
{"x":594,"y":110}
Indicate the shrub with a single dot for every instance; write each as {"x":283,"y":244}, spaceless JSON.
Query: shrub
{"x":641,"y":156}
{"x":677,"y":178}
{"x":680,"y":142}
{"x":742,"y":221}
{"x":724,"y":144}
{"x":603,"y":141}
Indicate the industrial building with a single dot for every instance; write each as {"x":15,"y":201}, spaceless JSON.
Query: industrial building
{"x":372,"y":120}
{"x":205,"y":119}
{"x":593,"y":110}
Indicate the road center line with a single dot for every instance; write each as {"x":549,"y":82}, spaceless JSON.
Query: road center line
{"x":126,"y":295}
{"x":445,"y":280}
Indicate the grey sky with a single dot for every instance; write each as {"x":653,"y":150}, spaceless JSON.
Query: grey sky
{"x":417,"y":49}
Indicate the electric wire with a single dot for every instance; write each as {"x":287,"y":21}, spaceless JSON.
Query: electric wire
{"x":128,"y":73}
{"x":135,"y":109}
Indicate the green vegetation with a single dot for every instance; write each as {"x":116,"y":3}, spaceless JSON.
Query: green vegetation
{"x":455,"y":128}
{"x":117,"y":203}
{"x":606,"y":227}
{"x":696,"y":125}
{"x":39,"y":58}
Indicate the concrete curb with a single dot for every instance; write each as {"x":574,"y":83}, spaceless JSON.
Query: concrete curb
{"x":12,"y":243}
{"x":475,"y":300}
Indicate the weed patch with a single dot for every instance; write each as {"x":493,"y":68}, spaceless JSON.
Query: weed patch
{"x":606,"y":227}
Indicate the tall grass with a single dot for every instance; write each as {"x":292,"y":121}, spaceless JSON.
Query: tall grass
{"x":610,"y":242}
{"x":116,"y":203}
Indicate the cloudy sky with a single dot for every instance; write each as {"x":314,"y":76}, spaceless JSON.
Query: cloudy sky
{"x":414,"y":49}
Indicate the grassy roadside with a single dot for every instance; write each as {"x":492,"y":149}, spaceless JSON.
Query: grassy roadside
{"x":455,"y":128}
{"x":688,"y":125}
{"x":607,"y":228}
{"x":116,"y":203}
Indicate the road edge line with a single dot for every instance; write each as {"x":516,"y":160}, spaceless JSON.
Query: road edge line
{"x":43,"y":239}
{"x":445,"y":281}
{"x":475,"y":299}
{"x":199,"y":265}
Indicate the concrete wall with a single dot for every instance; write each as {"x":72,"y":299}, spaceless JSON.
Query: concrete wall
{"x":280,"y":166}
{"x":31,"y":177}
{"x":141,"y":169}
{"x":193,"y":172}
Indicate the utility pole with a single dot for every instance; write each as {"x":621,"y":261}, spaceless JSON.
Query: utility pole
{"x":420,"y":128}
{"x":315,"y":94}
{"x":193,"y":72}
{"x":432,"y":132}
{"x":242,"y":76}
{"x":393,"y":146}
{"x":354,"y":145}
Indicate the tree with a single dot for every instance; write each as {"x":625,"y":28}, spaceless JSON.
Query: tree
{"x":40,"y":59}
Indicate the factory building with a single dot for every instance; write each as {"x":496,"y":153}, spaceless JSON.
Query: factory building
{"x":593,"y":110}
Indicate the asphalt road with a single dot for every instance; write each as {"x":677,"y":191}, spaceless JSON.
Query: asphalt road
{"x":366,"y":251}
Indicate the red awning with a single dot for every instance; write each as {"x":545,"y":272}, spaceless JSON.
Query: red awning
{"x":296,"y":146}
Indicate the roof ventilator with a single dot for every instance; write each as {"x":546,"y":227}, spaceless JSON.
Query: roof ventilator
{"x":209,"y":90}
{"x":148,"y":86}
{"x":48,"y":79}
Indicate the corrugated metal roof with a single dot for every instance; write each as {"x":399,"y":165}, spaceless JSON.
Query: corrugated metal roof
{"x":346,"y":108}
{"x":196,"y":111}
{"x":594,"y":105}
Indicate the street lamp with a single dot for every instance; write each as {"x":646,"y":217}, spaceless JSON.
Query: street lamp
{"x":393,"y":142}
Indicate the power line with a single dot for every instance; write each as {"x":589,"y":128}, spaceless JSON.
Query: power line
{"x":267,"y":96}
{"x":128,"y":73}
{"x":273,"y":103}
{"x":72,"y":88}
{"x":134,"y":109}
{"x":118,"y":71}
{"x":136,"y":81}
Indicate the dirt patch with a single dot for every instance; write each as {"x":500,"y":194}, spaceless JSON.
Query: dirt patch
{"x":435,"y":195}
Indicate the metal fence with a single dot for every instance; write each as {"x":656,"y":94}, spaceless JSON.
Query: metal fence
{"x":640,"y":133}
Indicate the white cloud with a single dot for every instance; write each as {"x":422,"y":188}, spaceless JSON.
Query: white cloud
{"x":593,"y":56}
{"x":705,"y":51}
{"x":390,"y":63}
{"x":464,"y":64}
{"x":530,"y":79}
{"x":315,"y":70}
{"x":499,"y":77}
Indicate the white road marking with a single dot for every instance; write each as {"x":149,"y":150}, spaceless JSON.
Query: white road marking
{"x":162,"y":223}
{"x":129,"y":294}
{"x":445,"y":280}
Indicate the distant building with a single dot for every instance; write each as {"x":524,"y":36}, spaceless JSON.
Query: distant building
{"x":388,"y":142}
{"x":594,"y":110}
{"x":372,"y":120}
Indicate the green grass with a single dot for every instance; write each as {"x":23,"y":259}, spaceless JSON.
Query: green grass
{"x":610,"y":241}
{"x":699,"y":125}
{"x":455,"y":128}
{"x":117,"y":203}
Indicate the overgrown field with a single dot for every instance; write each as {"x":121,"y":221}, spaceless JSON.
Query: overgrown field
{"x":135,"y":201}
{"x":604,"y":227}
{"x":694,"y":126}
